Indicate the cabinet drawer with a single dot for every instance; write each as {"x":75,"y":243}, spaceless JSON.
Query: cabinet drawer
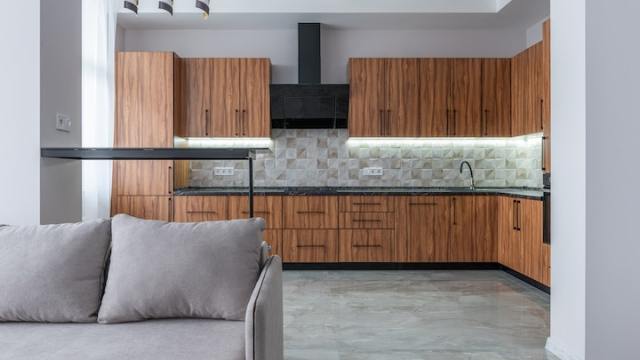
{"x":273,"y":238}
{"x":143,"y":207}
{"x":309,"y":246}
{"x":267,"y":207}
{"x":310,"y":212}
{"x":200,"y":208}
{"x":366,"y":204}
{"x":366,"y":245}
{"x":367,"y":220}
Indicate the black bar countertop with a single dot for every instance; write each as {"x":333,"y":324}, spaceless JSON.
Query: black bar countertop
{"x":526,"y":193}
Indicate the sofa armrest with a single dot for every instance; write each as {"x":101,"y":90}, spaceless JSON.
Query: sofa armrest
{"x":264,"y":338}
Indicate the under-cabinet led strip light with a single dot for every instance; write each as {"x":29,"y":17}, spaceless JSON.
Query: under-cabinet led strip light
{"x":405,"y":141}
{"x":193,"y":142}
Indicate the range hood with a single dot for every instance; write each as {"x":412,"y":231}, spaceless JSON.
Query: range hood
{"x":309,"y":104}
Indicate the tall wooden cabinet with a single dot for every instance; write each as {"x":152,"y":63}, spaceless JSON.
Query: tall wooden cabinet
{"x":384,"y":97}
{"x":529,"y":99}
{"x":496,"y":98}
{"x":146,"y":93}
{"x":225,"y":97}
{"x":546,"y":93}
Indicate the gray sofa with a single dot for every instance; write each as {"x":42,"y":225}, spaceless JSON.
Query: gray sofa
{"x":258,"y":337}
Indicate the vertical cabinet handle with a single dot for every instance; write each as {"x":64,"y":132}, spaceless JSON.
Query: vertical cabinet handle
{"x":514,"y":217}
{"x":207,"y":122}
{"x":237,"y":122}
{"x":169,"y":181}
{"x":541,"y":114}
{"x":544,"y":145}
{"x":519,"y":216}
{"x":447,"y":116}
{"x":485,"y":122}
{"x":244,"y":122}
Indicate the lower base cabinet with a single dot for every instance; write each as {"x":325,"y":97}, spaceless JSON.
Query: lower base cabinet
{"x":366,"y":245}
{"x":310,"y":246}
{"x":144,"y":207}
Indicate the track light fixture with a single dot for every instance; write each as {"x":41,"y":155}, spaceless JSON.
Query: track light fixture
{"x":204,"y":6}
{"x":131,"y":5}
{"x":166,"y":5}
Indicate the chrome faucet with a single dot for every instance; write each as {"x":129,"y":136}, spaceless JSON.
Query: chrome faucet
{"x":473,"y":185}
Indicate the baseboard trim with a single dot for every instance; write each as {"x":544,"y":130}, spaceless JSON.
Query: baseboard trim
{"x":391,"y":266}
{"x":524,"y":278}
{"x":560,"y":351}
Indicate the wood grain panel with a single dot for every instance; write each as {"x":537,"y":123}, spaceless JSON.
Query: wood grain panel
{"x":423,"y":225}
{"x":366,"y":204}
{"x":435,"y":80}
{"x":143,"y":207}
{"x":181,"y":174}
{"x":274,"y":238}
{"x":366,"y":97}
{"x":546,"y":265}
{"x":142,"y":177}
{"x":402,"y":116}
{"x":267,"y":207}
{"x":200,"y":208}
{"x":225,"y":97}
{"x":367,"y":220}
{"x":197,"y":97}
{"x":461,"y":234}
{"x":366,"y":245}
{"x":485,"y":239}
{"x":179,"y":121}
{"x":509,"y":239}
{"x":532,"y":234}
{"x":496,"y":98}
{"x":310,"y":212}
{"x":467,"y":94}
{"x":310,"y":246}
{"x":535,"y":98}
{"x":255,"y":103}
{"x":519,"y":93}
{"x":546,"y":92}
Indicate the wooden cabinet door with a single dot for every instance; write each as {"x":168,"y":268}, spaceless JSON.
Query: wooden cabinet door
{"x":466,"y":84}
{"x":143,"y":177}
{"x":546,"y":93}
{"x":255,"y":102}
{"x":224,"y":98}
{"x":366,"y":97}
{"x":143,"y":207}
{"x":546,"y":265}
{"x":371,"y":245}
{"x":144,"y":99}
{"x":461,"y":233}
{"x":519,"y":93}
{"x":435,"y":79}
{"x":535,"y":123}
{"x":402,"y":118}
{"x":423,"y":225}
{"x":310,"y":246}
{"x":273,"y":237}
{"x":366,"y":204}
{"x":485,"y":232}
{"x":267,"y":207}
{"x":496,"y":98}
{"x":196,"y":98}
{"x":509,"y":239}
{"x":200,"y":208}
{"x":310,"y":212}
{"x":531,"y":230}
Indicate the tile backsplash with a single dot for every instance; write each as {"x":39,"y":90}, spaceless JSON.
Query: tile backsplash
{"x":325,"y":158}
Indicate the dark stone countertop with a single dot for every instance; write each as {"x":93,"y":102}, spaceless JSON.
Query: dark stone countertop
{"x":527,"y":193}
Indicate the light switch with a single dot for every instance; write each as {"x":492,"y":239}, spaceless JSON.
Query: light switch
{"x":63,"y":122}
{"x":223,"y":171}
{"x":372,"y":171}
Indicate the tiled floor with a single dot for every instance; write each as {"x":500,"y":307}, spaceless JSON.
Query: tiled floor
{"x":452,"y":315}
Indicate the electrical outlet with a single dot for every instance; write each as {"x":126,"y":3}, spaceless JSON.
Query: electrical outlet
{"x":63,"y":122}
{"x":372,"y":171}
{"x":223,"y":171}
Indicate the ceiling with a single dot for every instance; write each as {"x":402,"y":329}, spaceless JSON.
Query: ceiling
{"x":428,"y":14}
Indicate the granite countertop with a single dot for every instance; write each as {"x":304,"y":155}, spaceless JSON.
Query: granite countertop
{"x":527,"y":193}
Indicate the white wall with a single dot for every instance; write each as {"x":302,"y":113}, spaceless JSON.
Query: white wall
{"x":613,"y":239}
{"x":568,"y":213}
{"x":60,"y":92}
{"x":20,"y":104}
{"x":337,"y":46}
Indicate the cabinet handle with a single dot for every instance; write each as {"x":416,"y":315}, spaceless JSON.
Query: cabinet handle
{"x":310,"y":212}
{"x":365,"y":203}
{"x":388,"y":124}
{"x":422,"y":204}
{"x":207,"y":122}
{"x":485,"y":122}
{"x":381,"y":122}
{"x":544,"y":142}
{"x":237,"y":122}
{"x":366,"y":220}
{"x":244,"y":212}
{"x":541,"y":114}
{"x":310,"y":246}
{"x":201,"y":212}
{"x":514,"y":218}
{"x":519,"y":216}
{"x":169,"y":181}
{"x":365,"y":246}
{"x":244,"y":122}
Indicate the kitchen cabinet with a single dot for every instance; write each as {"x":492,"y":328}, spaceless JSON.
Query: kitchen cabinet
{"x":310,"y":212}
{"x":509,"y":239}
{"x":461,"y":229}
{"x":310,"y":245}
{"x":485,"y":231}
{"x":529,"y":103}
{"x":546,"y":95}
{"x":546,"y":265}
{"x":267,"y":207}
{"x":530,"y":229}
{"x":143,"y":177}
{"x":366,"y":245}
{"x":384,"y":97}
{"x":226,"y":97}
{"x":200,"y":208}
{"x":423,"y":229}
{"x":144,"y":207}
{"x":496,"y":98}
{"x":435,"y":78}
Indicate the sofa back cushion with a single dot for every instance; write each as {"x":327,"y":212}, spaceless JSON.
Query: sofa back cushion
{"x":52,"y":273}
{"x":181,"y":270}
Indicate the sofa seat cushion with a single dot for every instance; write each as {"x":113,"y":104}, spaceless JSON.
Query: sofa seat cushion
{"x":155,"y":339}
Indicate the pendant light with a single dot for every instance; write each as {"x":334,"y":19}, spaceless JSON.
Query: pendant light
{"x":166,"y":5}
{"x":204,"y":6}
{"x":131,"y":5}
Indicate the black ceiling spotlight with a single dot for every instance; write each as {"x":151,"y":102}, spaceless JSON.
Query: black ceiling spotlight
{"x":131,"y":5}
{"x":204,"y":6}
{"x":166,"y":5}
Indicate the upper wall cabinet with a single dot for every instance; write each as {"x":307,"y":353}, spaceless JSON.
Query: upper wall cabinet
{"x":546,"y":92}
{"x":527,"y":86}
{"x":496,"y":98}
{"x":226,"y":98}
{"x":384,"y":98}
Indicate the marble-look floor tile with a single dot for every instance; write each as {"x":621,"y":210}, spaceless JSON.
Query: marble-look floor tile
{"x":474,"y":315}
